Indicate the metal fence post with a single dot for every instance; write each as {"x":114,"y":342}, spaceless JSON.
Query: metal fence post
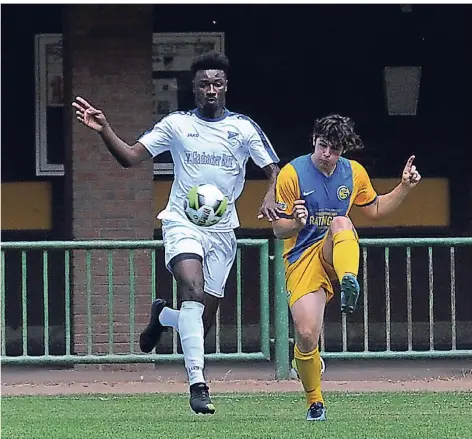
{"x":264,"y":298}
{"x":281,"y":315}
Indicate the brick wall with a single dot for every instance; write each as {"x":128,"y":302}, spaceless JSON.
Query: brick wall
{"x":107,"y":60}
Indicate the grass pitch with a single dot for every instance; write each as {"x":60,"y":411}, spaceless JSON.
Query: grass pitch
{"x":379,"y":415}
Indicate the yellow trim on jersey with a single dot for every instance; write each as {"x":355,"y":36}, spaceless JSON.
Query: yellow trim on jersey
{"x":287,"y":189}
{"x":362,"y":186}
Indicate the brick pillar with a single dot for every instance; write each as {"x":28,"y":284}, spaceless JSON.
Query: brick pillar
{"x":108,"y":61}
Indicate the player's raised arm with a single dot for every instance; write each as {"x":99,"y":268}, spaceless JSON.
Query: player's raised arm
{"x":93,"y":118}
{"x":388,"y":203}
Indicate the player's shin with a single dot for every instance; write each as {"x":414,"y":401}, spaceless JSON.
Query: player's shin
{"x":169,"y":317}
{"x":191,"y":338}
{"x":345,"y":253}
{"x":309,"y":371}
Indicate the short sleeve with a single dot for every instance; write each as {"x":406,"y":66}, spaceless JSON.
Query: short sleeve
{"x":287,"y":190}
{"x":365,"y":192}
{"x":158,"y":139}
{"x":259,"y":146}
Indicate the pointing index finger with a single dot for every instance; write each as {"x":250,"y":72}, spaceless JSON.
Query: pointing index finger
{"x":410,"y":162}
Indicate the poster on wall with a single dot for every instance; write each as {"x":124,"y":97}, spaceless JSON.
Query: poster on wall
{"x":165,"y":97}
{"x":165,"y":101}
{"x":172,"y":55}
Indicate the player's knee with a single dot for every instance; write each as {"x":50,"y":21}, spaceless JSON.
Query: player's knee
{"x":191,"y":289}
{"x":307,"y":337}
{"x":340,"y":223}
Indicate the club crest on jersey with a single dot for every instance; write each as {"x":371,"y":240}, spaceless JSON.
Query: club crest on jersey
{"x":343,"y":192}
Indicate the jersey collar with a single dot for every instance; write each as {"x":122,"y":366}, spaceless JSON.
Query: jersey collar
{"x":318,"y":171}
{"x":223,"y":116}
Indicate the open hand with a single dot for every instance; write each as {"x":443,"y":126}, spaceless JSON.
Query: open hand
{"x":91,"y":117}
{"x":269,"y":209}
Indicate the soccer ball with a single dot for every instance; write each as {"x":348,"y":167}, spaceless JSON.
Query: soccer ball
{"x":205,"y":205}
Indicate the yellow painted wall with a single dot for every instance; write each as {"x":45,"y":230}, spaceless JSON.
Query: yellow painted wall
{"x":28,"y":205}
{"x":426,"y":206}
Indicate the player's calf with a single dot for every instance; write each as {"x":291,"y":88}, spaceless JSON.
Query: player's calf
{"x":294,"y":369}
{"x":341,"y":248}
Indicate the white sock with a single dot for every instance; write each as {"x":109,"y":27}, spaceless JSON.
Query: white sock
{"x":169,"y":317}
{"x":191,"y":339}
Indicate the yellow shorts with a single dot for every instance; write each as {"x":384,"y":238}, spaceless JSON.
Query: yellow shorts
{"x":309,"y":274}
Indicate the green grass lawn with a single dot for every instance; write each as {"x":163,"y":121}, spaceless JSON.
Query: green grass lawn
{"x":399,"y":415}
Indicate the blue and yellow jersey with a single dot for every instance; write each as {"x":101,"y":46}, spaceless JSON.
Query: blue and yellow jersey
{"x":325,"y":198}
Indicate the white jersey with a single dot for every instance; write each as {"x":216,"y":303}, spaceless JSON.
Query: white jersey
{"x":211,"y":151}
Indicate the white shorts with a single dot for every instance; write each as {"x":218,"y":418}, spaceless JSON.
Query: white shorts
{"x":217,"y":250}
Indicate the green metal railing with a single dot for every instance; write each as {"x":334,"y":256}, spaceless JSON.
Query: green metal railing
{"x":390,"y":353}
{"x":111,"y":356}
{"x":282,"y":342}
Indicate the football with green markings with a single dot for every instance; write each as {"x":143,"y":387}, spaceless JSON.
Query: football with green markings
{"x":205,"y":205}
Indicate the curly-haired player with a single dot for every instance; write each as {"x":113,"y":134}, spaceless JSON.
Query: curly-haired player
{"x":321,"y":249}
